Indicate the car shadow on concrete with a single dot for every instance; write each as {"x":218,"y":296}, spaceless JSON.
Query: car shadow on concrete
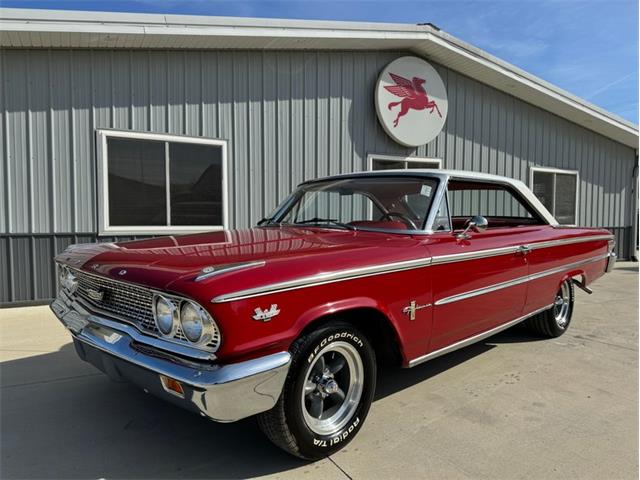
{"x":392,"y":380}
{"x":63,"y":419}
{"x":631,"y":268}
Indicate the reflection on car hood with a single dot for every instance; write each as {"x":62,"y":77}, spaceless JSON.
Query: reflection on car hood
{"x":284,"y":253}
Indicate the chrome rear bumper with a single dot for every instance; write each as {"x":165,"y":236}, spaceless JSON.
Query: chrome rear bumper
{"x":611,"y":262}
{"x":224,"y":393}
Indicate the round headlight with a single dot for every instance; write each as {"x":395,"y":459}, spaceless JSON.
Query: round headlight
{"x":195,"y":322}
{"x":165,"y":314}
{"x":63,"y":271}
{"x":68,"y":280}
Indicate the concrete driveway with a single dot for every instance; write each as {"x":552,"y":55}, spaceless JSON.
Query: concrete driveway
{"x":513,"y":406}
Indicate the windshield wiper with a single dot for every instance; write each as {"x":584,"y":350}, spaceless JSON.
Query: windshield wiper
{"x":267,"y":222}
{"x":332,"y":221}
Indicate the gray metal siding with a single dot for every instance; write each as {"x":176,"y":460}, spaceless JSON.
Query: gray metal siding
{"x":288,"y":116}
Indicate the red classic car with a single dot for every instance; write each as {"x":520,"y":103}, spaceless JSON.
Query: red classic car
{"x":289,"y":320}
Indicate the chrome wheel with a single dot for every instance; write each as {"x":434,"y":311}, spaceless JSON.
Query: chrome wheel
{"x":332,"y":389}
{"x":562,"y":305}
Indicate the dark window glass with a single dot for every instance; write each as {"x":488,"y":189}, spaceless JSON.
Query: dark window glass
{"x":387,"y":165}
{"x":414,"y":165}
{"x":565,"y":199}
{"x":557,"y":192}
{"x":196,"y":184}
{"x":400,"y":164}
{"x":543,"y":188}
{"x":137,"y":182}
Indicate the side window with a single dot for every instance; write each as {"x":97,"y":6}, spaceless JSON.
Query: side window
{"x":501,"y":205}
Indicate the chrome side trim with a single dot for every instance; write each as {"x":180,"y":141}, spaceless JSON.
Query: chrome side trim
{"x":568,"y":241}
{"x":461,"y":257}
{"x":580,"y":263}
{"x":493,"y":252}
{"x":209,"y":272}
{"x":474,"y":339}
{"x":517,"y":281}
{"x":482,"y":291}
{"x":323,"y":278}
{"x":341,"y":275}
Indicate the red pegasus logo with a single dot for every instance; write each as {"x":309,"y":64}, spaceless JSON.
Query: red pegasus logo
{"x":413,"y":95}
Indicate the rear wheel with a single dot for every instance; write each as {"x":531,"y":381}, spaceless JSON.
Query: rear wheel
{"x":327,"y":394}
{"x":555,"y":321}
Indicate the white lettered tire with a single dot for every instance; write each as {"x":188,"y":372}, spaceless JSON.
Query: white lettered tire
{"x":327,"y":394}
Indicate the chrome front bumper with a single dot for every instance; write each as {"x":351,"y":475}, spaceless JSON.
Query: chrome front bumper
{"x":224,"y":393}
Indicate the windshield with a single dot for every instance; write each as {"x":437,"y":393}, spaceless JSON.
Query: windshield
{"x":367,"y":203}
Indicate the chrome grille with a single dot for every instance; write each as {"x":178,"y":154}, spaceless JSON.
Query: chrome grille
{"x":129,"y":303}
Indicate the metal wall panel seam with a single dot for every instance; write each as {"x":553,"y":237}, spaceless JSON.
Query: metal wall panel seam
{"x":52,"y":156}
{"x":72,"y":149}
{"x":29,"y":135}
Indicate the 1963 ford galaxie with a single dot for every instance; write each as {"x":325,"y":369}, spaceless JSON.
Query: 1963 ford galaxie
{"x":289,"y":320}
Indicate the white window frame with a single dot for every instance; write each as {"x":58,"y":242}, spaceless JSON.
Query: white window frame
{"x":103,"y":184}
{"x":398,"y":158}
{"x":576,"y":173}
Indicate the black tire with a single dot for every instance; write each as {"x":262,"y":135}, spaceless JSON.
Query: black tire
{"x":285,"y":424}
{"x":547,"y":323}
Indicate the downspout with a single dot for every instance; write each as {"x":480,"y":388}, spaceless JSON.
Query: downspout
{"x":635,"y":212}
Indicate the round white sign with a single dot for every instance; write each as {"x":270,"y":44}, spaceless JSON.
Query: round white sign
{"x":411,"y":101}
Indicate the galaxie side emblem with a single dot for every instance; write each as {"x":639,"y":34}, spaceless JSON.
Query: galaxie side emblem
{"x":410,"y":309}
{"x":95,"y":294}
{"x":266,"y":315}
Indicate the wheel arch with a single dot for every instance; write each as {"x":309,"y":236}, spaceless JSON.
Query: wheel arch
{"x":369,"y":319}
{"x":577,"y":274}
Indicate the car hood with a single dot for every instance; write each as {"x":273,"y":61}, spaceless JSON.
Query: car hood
{"x":278,"y":254}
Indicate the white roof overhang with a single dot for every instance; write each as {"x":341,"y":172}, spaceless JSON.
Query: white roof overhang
{"x":25,"y":28}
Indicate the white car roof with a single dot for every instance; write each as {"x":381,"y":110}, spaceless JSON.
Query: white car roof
{"x":462,"y":174}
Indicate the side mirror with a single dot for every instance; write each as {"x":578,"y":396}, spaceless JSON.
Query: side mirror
{"x":477,"y":224}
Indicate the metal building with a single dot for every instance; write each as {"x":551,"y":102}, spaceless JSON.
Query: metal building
{"x":273,"y":102}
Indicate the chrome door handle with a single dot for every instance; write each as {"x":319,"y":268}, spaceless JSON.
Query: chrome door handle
{"x":524,"y":250}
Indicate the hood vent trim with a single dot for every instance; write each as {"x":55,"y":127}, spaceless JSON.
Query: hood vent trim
{"x":209,"y":272}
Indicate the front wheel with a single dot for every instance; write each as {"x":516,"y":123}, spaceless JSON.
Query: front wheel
{"x":327,"y":394}
{"x":555,"y":321}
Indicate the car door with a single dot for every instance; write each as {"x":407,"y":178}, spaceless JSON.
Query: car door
{"x":480,"y":278}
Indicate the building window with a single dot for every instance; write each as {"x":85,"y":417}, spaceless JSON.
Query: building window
{"x":390,"y":162}
{"x":155,"y":183}
{"x":558,"y":192}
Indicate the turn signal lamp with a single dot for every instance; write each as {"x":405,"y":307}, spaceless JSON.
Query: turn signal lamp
{"x":172,"y":386}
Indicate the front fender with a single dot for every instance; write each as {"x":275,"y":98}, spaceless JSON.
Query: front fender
{"x":358,"y":307}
